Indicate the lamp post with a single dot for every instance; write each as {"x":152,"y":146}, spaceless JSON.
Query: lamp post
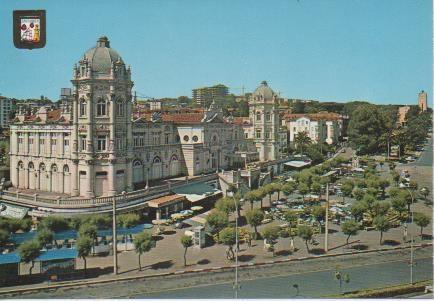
{"x":115,"y":251}
{"x":411,"y":237}
{"x":231,"y":194}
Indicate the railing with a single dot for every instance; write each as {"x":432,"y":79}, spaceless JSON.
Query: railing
{"x":125,"y":197}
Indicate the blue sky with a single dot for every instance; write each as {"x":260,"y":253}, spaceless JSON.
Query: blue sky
{"x":330,"y":50}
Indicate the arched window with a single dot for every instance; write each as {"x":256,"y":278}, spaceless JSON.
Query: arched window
{"x":83,"y":111}
{"x":54,"y":168}
{"x":31,"y":166}
{"x":20,"y":165}
{"x":174,"y":158}
{"x":101,"y":107}
{"x":42,"y":167}
{"x":120,"y":108}
{"x":137,"y":163}
{"x":65,"y":168}
{"x":156,"y":160}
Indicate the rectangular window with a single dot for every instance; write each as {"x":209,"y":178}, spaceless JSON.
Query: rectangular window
{"x":101,"y":174}
{"x":82,"y":143}
{"x":101,"y":143}
{"x":258,"y":133}
{"x":246,"y":135}
{"x":267,"y":135}
{"x":156,"y":139}
{"x":268,"y":117}
{"x":166,"y":139}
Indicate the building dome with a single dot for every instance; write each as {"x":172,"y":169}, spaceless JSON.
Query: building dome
{"x":101,"y":57}
{"x":264,"y":91}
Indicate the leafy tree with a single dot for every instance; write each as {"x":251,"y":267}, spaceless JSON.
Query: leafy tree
{"x":278,"y":188}
{"x":383,"y":183}
{"x":358,"y":209}
{"x":380,"y":208}
{"x":422,"y":221}
{"x":347,"y":189}
{"x":381,"y":224}
{"x":254,"y":218}
{"x":291,"y":218}
{"x":44,"y":237}
{"x":367,"y":125}
{"x":394,"y":192}
{"x":227,"y":236}
{"x":396,"y":177}
{"x":54,"y":223}
{"x":4,"y":237}
{"x":318,"y":212}
{"x":84,"y":247}
{"x":424,"y":191}
{"x":400,"y":206}
{"x":217,"y":220}
{"x":413,"y":185}
{"x":252,"y":197}
{"x":350,"y":228}
{"x":128,"y":220}
{"x":369,"y":201}
{"x":316,"y":188}
{"x":225,"y":205}
{"x":302,"y":140}
{"x":303,"y":189}
{"x":29,"y":251}
{"x":271,"y":234}
{"x":288,"y":188}
{"x":358,"y":194}
{"x":143,"y":243}
{"x":305,"y":233}
{"x":89,"y":230}
{"x":186,"y":242}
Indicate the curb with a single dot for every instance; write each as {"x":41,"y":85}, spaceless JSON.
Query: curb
{"x":213,"y":269}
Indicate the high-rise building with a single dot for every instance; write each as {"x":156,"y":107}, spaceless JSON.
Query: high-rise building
{"x":5,"y":110}
{"x":206,"y":95}
{"x":422,"y":101}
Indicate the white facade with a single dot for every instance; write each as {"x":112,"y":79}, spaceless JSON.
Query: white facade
{"x":320,"y":127}
{"x":95,"y":148}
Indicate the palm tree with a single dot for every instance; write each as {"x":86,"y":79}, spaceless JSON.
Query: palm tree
{"x":301,"y":140}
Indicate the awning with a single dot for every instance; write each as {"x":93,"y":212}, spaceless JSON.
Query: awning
{"x":165,"y":200}
{"x":57,"y":254}
{"x":297,"y":164}
{"x":9,"y":258}
{"x":13,"y":211}
{"x":196,"y":192}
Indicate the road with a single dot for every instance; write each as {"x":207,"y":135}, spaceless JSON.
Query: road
{"x":315,"y":278}
{"x":311,"y":284}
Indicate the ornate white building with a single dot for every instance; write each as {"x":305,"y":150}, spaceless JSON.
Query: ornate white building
{"x":95,"y":148}
{"x":320,"y":127}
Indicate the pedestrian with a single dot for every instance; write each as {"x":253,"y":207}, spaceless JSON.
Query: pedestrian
{"x":249,"y":240}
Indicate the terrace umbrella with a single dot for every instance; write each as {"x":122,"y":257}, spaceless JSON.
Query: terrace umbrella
{"x":176,"y":216}
{"x":196,"y":208}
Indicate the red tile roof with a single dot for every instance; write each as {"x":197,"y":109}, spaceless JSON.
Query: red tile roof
{"x":242,"y":120}
{"x":328,"y":116}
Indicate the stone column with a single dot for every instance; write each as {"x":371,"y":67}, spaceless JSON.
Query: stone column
{"x":62,"y":145}
{"x":74,"y":178}
{"x":26,"y":177}
{"x":36,"y":140}
{"x":90,"y":179}
{"x":49,"y":145}
{"x":112,"y":178}
{"x":158,"y":217}
{"x":129,"y":174}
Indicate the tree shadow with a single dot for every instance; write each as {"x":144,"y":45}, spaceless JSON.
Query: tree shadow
{"x":157,"y":237}
{"x":331,"y":231}
{"x":203,"y":261}
{"x":391,"y":242}
{"x":245,"y":257}
{"x":169,"y":232}
{"x":161,"y":265}
{"x":283,"y":253}
{"x":359,"y":247}
{"x":317,"y":251}
{"x":242,"y":221}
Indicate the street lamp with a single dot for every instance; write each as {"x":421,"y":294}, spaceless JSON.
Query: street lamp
{"x":411,"y":237}
{"x":232,"y":195}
